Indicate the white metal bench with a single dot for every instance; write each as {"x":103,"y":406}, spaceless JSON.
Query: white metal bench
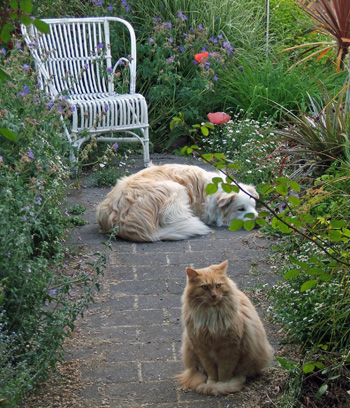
{"x":75,"y":63}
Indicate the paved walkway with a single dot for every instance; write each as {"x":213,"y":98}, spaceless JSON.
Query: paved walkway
{"x":128,"y":344}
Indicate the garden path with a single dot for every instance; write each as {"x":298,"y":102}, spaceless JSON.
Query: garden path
{"x":126,"y":350}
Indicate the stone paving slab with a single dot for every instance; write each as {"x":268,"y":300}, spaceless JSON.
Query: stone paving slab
{"x":128,"y":343}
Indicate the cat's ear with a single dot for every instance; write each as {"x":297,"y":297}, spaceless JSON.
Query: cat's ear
{"x":222,"y":268}
{"x":191,"y":273}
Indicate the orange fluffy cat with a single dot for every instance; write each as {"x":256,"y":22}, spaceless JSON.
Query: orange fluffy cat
{"x":224,"y":340}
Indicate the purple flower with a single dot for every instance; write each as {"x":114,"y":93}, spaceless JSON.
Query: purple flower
{"x":181,"y":15}
{"x":27,"y":208}
{"x":181,"y":48}
{"x":86,"y":65}
{"x":240,"y":68}
{"x":168,"y":25}
{"x":52,"y":292}
{"x":24,"y":218}
{"x":31,"y":154}
{"x":110,"y":8}
{"x":228,"y":46}
{"x":115,"y":145}
{"x":200,"y":26}
{"x":215,"y":78}
{"x":171,"y":39}
{"x":25,"y":91}
{"x":25,"y":67}
{"x":150,"y":40}
{"x":1,"y":159}
{"x":3,"y":51}
{"x":109,"y":69}
{"x":100,"y":46}
{"x":49,"y":105}
{"x":38,"y":200}
{"x":170,"y":60}
{"x":106,"y":107}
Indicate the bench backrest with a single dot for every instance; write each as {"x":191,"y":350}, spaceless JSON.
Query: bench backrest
{"x":76,"y":56}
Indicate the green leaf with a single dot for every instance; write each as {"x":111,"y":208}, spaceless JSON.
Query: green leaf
{"x":335,"y":235}
{"x":219,"y":156}
{"x":217,"y":180}
{"x":208,"y":157}
{"x":8,"y":134}
{"x":308,"y":367}
{"x":319,"y":365}
{"x":204,"y":130}
{"x":282,"y":188}
{"x":209,"y":125}
{"x":264,"y":214}
{"x":26,"y":6}
{"x":236,"y":225}
{"x":338,"y":224}
{"x":266,"y":189}
{"x":261,"y":221}
{"x":234,"y":166}
{"x":26,"y":20}
{"x":211,"y":189}
{"x":14,"y":4}
{"x":294,"y":201}
{"x":4,"y":76}
{"x":293,"y":185}
{"x":286,"y":364}
{"x":5,"y":34}
{"x":227,"y":188}
{"x":308,"y":285}
{"x":313,"y":271}
{"x":249,"y":225}
{"x":292,"y":273}
{"x":42,"y":26}
{"x":321,"y":391}
{"x":326,"y":277}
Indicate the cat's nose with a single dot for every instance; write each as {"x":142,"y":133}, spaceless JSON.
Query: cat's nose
{"x":213,"y":295}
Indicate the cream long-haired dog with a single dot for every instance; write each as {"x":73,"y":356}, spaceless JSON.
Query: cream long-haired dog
{"x":169,"y":202}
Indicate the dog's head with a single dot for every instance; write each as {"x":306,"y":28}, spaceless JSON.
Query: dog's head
{"x":236,"y":206}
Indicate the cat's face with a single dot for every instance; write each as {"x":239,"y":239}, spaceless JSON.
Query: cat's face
{"x":209,"y":285}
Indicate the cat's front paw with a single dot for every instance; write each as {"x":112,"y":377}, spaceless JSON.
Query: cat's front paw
{"x":210,"y":382}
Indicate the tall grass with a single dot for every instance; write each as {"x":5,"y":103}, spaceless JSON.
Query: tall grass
{"x":241,"y":21}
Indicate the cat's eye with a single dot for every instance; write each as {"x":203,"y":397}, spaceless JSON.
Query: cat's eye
{"x":241,"y":209}
{"x":218,"y":286}
{"x":205,"y":287}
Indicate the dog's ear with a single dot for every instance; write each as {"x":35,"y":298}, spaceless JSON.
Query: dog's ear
{"x":225,"y":199}
{"x":251,"y":190}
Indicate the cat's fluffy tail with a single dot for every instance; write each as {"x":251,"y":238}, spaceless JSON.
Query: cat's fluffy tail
{"x":191,"y":379}
{"x":222,"y":388}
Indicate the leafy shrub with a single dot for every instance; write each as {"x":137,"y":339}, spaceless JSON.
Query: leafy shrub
{"x":321,"y":132}
{"x":38,"y":298}
{"x":248,"y":143}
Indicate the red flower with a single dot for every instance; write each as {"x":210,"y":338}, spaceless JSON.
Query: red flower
{"x":218,"y":118}
{"x":201,"y":57}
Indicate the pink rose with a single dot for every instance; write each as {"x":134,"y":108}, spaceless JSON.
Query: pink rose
{"x":218,"y":118}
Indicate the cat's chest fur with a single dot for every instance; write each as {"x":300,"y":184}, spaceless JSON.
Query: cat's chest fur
{"x":212,"y":324}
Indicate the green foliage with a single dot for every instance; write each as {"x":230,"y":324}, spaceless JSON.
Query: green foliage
{"x":266,"y":87}
{"x":321,"y":132}
{"x":248,"y":143}
{"x":39,"y":300}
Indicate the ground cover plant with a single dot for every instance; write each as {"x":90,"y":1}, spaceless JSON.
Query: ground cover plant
{"x":39,"y":297}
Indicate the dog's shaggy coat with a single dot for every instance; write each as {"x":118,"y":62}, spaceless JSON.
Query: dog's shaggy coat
{"x":169,"y":203}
